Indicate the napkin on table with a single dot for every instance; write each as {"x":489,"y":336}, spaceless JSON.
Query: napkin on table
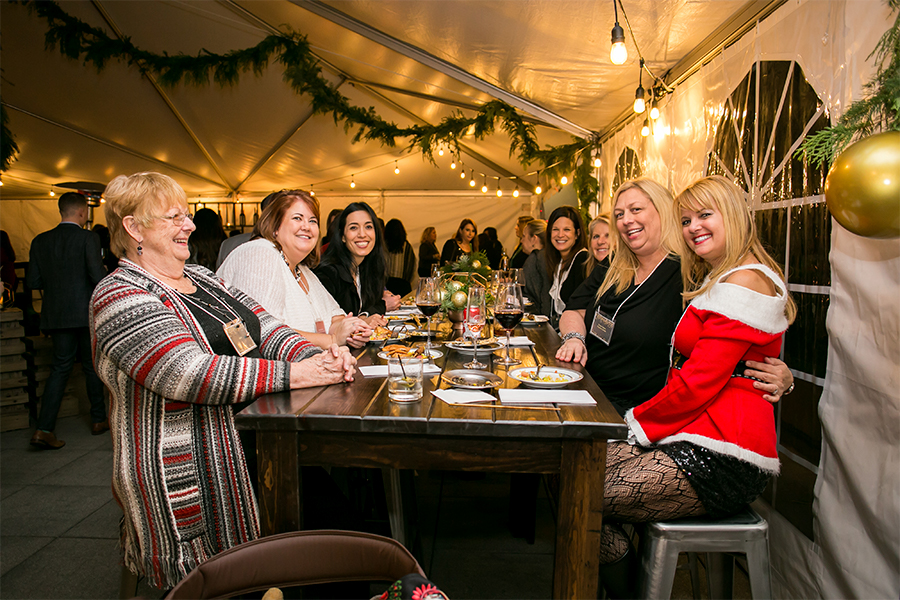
{"x":516,"y":340}
{"x":526,"y":396}
{"x":452,"y":396}
{"x":382,"y":370}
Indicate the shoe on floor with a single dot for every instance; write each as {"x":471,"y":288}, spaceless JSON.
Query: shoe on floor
{"x":46,"y":441}
{"x":101,"y":427}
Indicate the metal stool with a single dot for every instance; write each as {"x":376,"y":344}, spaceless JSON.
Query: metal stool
{"x":745,"y":532}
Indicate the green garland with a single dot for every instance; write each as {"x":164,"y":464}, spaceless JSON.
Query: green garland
{"x":79,"y":41}
{"x":878,"y":110}
{"x":8,"y":146}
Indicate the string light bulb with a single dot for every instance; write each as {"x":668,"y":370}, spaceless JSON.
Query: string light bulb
{"x":484,"y":185}
{"x":654,"y":109}
{"x":312,"y":192}
{"x":441,"y":151}
{"x":618,"y":53}
{"x":462,"y":173}
{"x":563,"y":180}
{"x":516,"y":191}
{"x":499,"y":191}
{"x":597,"y":162}
{"x":453,"y":162}
{"x":472,"y":180}
{"x":52,"y":193}
{"x":352,"y":182}
{"x":639,"y":105}
{"x":396,"y":168}
{"x":645,"y":130}
{"x":538,"y":189}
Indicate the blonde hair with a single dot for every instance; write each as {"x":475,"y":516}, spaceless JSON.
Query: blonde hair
{"x":536,"y":227}
{"x":426,"y":234}
{"x":604,"y":218}
{"x":624,"y":262}
{"x":723,"y":196}
{"x":142,"y":196}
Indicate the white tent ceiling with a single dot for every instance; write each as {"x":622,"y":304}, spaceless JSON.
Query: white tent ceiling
{"x":413,"y":61}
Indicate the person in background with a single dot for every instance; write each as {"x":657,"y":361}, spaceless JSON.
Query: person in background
{"x":534,"y":237}
{"x":207,"y":238}
{"x":552,"y":274}
{"x":334,"y":214}
{"x":274,"y":269}
{"x":65,"y":263}
{"x":464,"y":242}
{"x":400,"y":257}
{"x":7,"y":264}
{"x":110,"y":260}
{"x":598,"y":240}
{"x":491,"y":246}
{"x":353,"y":268}
{"x":228,"y":246}
{"x":178,"y":349}
{"x":519,"y":255}
{"x":428,"y":252}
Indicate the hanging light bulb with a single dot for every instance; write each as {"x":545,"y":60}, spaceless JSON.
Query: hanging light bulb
{"x":484,"y":185}
{"x":563,"y":180}
{"x":639,"y":105}
{"x":462,"y":173}
{"x":597,"y":162}
{"x":52,"y":193}
{"x":472,"y":180}
{"x":441,"y":151}
{"x":396,"y":168}
{"x":499,"y":191}
{"x":311,"y":191}
{"x":645,"y":130}
{"x":453,"y":162}
{"x":516,"y":191}
{"x":654,"y":107}
{"x":538,"y":189}
{"x":352,"y":183}
{"x":618,"y":53}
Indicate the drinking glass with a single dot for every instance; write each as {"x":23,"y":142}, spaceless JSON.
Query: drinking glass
{"x":476,"y":318}
{"x":508,"y":311}
{"x":405,"y":379}
{"x":428,"y":299}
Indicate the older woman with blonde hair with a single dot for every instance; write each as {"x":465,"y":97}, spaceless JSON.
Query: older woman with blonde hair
{"x":275,"y":269}
{"x":177,"y":349}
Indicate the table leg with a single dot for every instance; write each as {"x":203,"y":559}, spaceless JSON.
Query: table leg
{"x":280,"y":491}
{"x":394,"y":499}
{"x":580,"y":518}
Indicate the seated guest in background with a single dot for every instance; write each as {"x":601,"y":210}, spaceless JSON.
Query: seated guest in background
{"x":334,"y":214}
{"x":353,"y":267}
{"x":552,"y":274}
{"x":706,"y":442}
{"x":228,"y":246}
{"x":206,"y":239}
{"x":428,"y":252}
{"x":8,"y":263}
{"x":534,"y":237}
{"x":519,"y":256}
{"x":598,"y":241}
{"x":401,"y":260}
{"x":274,"y":270}
{"x":177,"y":348}
{"x":491,"y":246}
{"x":464,"y":242}
{"x":110,"y":260}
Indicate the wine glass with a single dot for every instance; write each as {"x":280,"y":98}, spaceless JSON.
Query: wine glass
{"x":476,"y":317}
{"x":508,"y":312}
{"x":428,"y":299}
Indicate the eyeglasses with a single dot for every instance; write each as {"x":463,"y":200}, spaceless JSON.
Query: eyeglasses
{"x":178,"y":219}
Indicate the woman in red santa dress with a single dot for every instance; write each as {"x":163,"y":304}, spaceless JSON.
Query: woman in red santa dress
{"x":706,"y":443}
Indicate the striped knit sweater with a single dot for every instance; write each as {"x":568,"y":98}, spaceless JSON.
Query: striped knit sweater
{"x":179,"y":471}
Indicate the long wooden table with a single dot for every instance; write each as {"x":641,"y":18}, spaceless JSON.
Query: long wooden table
{"x":356,"y":425}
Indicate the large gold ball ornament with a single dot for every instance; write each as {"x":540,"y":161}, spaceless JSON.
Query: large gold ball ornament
{"x":459,"y":299}
{"x":476,"y":264}
{"x":454,"y":286}
{"x":862,"y":189}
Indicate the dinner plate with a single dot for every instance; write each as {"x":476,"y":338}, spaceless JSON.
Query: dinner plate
{"x":433,"y":353}
{"x":533,"y":320}
{"x":397,"y":318}
{"x":471,"y":379}
{"x":558,"y":377}
{"x":485,"y":347}
{"x":397,"y":332}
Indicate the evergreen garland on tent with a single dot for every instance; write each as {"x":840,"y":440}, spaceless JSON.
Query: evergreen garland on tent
{"x":878,"y":110}
{"x":79,"y":41}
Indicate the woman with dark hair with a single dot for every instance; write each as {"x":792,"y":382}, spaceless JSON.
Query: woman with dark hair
{"x":353,"y":267}
{"x":110,"y":260}
{"x":401,"y":260}
{"x":464,"y":242}
{"x":8,"y":266}
{"x":428,"y":252}
{"x":490,"y":244}
{"x":552,"y":274}
{"x":206,"y":239}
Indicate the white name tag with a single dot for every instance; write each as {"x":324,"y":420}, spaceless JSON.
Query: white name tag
{"x":602,"y":327}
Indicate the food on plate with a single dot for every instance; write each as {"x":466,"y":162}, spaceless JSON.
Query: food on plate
{"x":551,"y":377}
{"x":528,"y":317}
{"x":401,"y":351}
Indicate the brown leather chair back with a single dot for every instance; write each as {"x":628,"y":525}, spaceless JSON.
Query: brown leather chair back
{"x":297,"y":559}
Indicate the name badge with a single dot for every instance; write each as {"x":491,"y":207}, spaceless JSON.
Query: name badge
{"x":239,"y":337}
{"x":320,"y":327}
{"x":602,"y":327}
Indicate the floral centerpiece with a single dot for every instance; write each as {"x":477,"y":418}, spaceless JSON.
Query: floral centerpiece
{"x":470,"y":269}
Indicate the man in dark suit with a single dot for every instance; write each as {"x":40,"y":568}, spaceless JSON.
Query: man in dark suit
{"x":65,"y":263}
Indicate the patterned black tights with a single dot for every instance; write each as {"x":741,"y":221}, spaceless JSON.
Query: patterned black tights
{"x":641,"y":485}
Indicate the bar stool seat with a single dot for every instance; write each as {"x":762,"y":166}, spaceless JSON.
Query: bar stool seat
{"x":745,"y":532}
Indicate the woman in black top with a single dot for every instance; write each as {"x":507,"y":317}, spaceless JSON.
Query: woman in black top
{"x":489,"y":243}
{"x":428,"y":252}
{"x":353,"y":267}
{"x":401,"y":260}
{"x":464,"y":242}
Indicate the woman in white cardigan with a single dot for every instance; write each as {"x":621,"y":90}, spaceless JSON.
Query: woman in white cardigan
{"x":274,"y":269}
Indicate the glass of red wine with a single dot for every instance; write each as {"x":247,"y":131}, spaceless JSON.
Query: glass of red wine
{"x":428,"y":299}
{"x":508,"y":311}
{"x":476,"y":319}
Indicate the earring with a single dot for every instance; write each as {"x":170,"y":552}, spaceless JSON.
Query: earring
{"x":140,"y":249}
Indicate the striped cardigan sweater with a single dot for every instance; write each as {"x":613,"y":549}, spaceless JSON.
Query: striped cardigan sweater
{"x":179,"y":471}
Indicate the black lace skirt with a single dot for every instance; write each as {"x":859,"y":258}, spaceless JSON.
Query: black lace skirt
{"x":723,"y":483}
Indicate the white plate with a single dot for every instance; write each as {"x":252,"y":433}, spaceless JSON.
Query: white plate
{"x":431,"y":354}
{"x":521,"y":374}
{"x":470,"y":379}
{"x":534,"y":320}
{"x":466,"y":347}
{"x":397,"y":318}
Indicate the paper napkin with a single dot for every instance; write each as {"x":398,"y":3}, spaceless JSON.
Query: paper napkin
{"x":382,"y":370}
{"x":462,"y":396}
{"x":516,"y":340}
{"x":526,"y":396}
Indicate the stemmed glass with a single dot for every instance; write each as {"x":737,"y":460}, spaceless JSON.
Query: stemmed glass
{"x":508,"y":313}
{"x":428,"y":299}
{"x":476,"y":317}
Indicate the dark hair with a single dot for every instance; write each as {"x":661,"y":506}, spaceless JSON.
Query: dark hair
{"x":395,"y":236}
{"x":491,"y":234}
{"x":462,"y":225}
{"x":70,"y":202}
{"x":206,"y":239}
{"x":551,"y":254}
{"x":373,"y":268}
{"x":273,"y":215}
{"x":6,"y":246}
{"x":103,"y":232}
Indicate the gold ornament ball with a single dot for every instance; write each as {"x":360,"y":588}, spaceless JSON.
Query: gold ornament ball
{"x":444,"y":295}
{"x":459,"y":299}
{"x":862,"y":189}
{"x":476,"y":264}
{"x":454,"y":286}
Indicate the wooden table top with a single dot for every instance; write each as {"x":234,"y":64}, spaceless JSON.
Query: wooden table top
{"x":363,"y":405}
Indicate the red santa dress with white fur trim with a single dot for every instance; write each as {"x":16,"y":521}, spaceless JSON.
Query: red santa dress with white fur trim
{"x":703,"y":402}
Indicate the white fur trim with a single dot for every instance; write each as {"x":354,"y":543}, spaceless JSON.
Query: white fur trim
{"x":635,"y":429}
{"x":759,"y":311}
{"x":765,"y":463}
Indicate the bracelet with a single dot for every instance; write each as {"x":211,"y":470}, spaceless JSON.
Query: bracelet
{"x":574,"y":335}
{"x":789,"y":390}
